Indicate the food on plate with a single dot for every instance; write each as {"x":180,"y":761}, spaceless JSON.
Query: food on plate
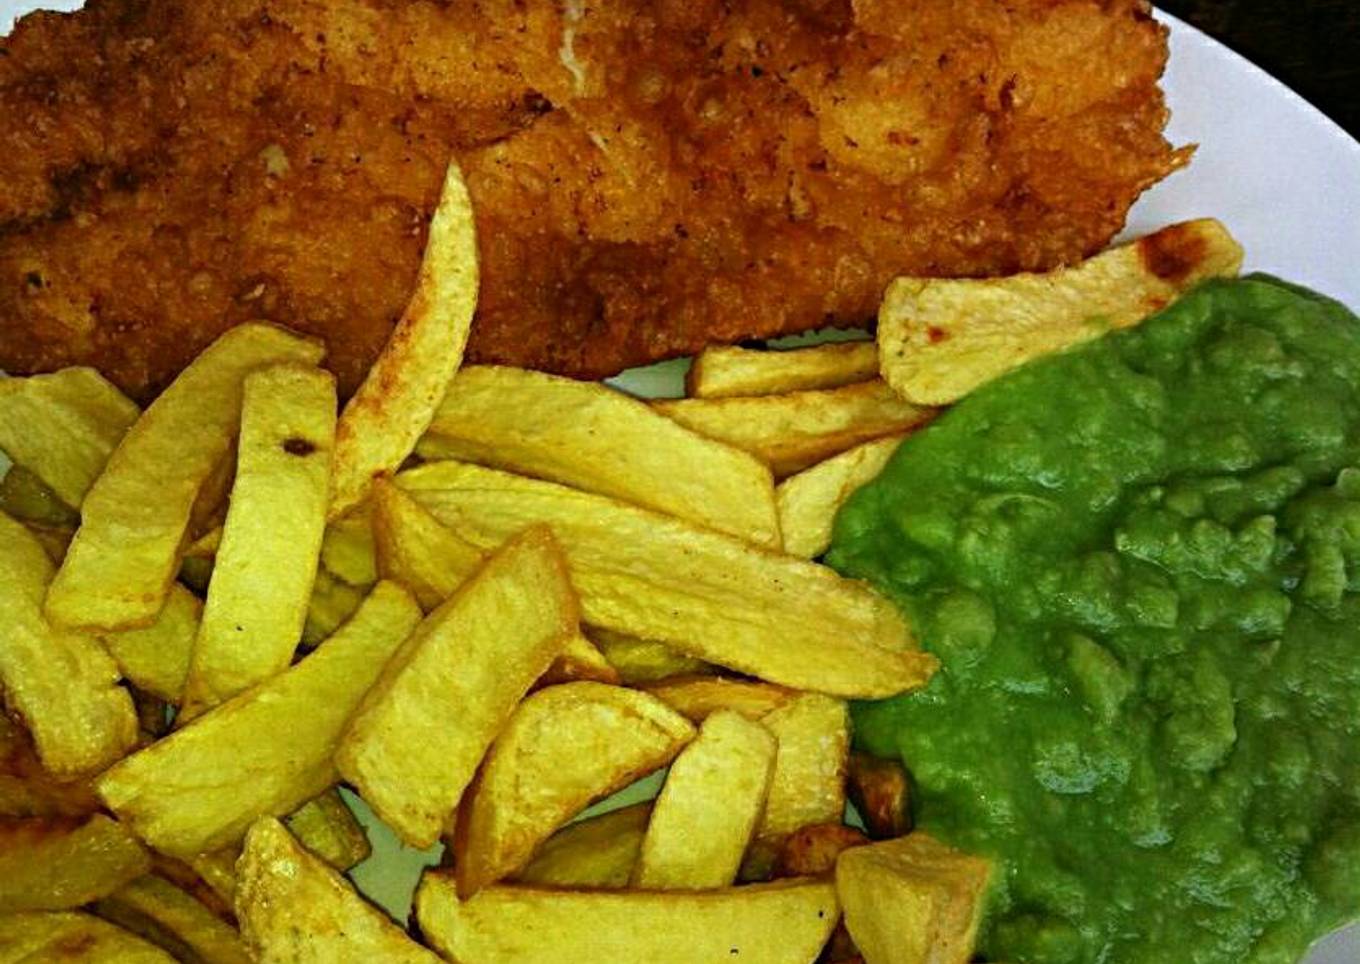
{"x":26,"y":497}
{"x":264,"y":752}
{"x":133,"y":520}
{"x":940,"y":339}
{"x":642,"y":661}
{"x":60,"y":684}
{"x":564,"y":748}
{"x":597,"y":439}
{"x":775,"y":923}
{"x":413,"y":548}
{"x":647,"y":179}
{"x":62,"y":427}
{"x":696,"y":697}
{"x":793,"y":431}
{"x":1141,"y":602}
{"x":598,"y":851}
{"x":709,"y":595}
{"x":49,"y":863}
{"x":327,"y":828}
{"x":808,"y":502}
{"x":293,"y":907}
{"x":415,"y":741}
{"x":155,"y":659}
{"x":728,"y":371}
{"x":332,"y":602}
{"x":880,"y":791}
{"x":71,"y":937}
{"x":347,"y":551}
{"x":912,"y":900}
{"x":812,"y":851}
{"x":163,"y":914}
{"x":382,"y":422}
{"x":27,"y":790}
{"x":264,"y":567}
{"x":707,"y":810}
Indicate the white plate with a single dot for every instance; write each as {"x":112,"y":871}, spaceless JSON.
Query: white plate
{"x":1284,"y":178}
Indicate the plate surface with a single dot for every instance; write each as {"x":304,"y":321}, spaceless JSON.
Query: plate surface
{"x":1284,"y":178}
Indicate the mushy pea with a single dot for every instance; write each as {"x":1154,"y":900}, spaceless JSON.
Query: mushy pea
{"x":1139,"y":562}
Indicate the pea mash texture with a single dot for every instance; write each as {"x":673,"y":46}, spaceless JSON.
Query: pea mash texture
{"x":1139,"y":563}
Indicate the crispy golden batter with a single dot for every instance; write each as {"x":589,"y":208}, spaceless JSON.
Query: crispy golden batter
{"x":649,"y":175}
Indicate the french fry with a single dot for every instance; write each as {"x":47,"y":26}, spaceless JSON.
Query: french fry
{"x":580,"y":659}
{"x":714,"y":597}
{"x":217,"y":869}
{"x":63,"y":427}
{"x":135,"y":515}
{"x":881,"y":792}
{"x":791,"y":432}
{"x":25,"y":497}
{"x":595,"y":438}
{"x":70,"y":938}
{"x":808,"y":502}
{"x":186,"y":878}
{"x":327,"y":828}
{"x":158,"y":911}
{"x":598,"y":851}
{"x":707,"y":810}
{"x":156,"y":659}
{"x":641,"y":661}
{"x":939,"y":339}
{"x":267,"y":751}
{"x":294,"y":908}
{"x":565,"y":747}
{"x":808,"y":784}
{"x":264,"y":568}
{"x":728,"y":371}
{"x":48,"y":864}
{"x":698,"y":697}
{"x":812,"y":851}
{"x":775,"y":923}
{"x":54,"y":539}
{"x":60,"y":683}
{"x":912,"y":900}
{"x":331,"y":603}
{"x":348,"y":550}
{"x":392,"y":409}
{"x":27,"y":790}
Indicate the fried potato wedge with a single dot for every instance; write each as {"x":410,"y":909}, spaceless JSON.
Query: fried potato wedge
{"x":640,"y":661}
{"x":776,"y":923}
{"x":156,"y":659}
{"x":728,"y":371}
{"x":60,"y":683}
{"x":565,"y":747}
{"x":812,"y":851}
{"x":27,"y":790}
{"x":266,"y":563}
{"x":155,"y":909}
{"x":54,"y":539}
{"x":881,"y":792}
{"x":808,"y":785}
{"x":327,"y":828}
{"x":791,"y":432}
{"x":217,"y":869}
{"x":707,"y":810}
{"x":714,"y":597}
{"x":295,"y":908}
{"x":70,"y":938}
{"x":332,"y":602}
{"x":808,"y":502}
{"x":698,"y":697}
{"x":414,"y":744}
{"x":598,"y":851}
{"x":54,"y":864}
{"x":912,"y":900}
{"x":392,"y":409}
{"x":25,"y":497}
{"x":939,"y":339}
{"x":267,"y":751}
{"x":348,"y":549}
{"x":580,"y":659}
{"x":63,"y":427}
{"x":135,"y":516}
{"x":595,"y":438}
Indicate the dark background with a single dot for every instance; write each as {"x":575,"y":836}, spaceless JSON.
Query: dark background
{"x":1311,"y":45}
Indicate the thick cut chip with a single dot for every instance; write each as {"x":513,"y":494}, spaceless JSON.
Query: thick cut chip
{"x":327,"y":828}
{"x":414,"y":744}
{"x":267,"y":751}
{"x":712,"y":596}
{"x":881,"y":792}
{"x":939,"y":339}
{"x":707,"y":811}
{"x":808,"y":502}
{"x":28,"y":790}
{"x":595,"y":438}
{"x":791,"y":432}
{"x":27,"y":498}
{"x":598,"y":851}
{"x":160,"y":912}
{"x":728,"y":371}
{"x":808,"y":785}
{"x":912,"y":900}
{"x":264,"y":568}
{"x":296,"y":909}
{"x":812,"y":851}
{"x":156,"y":658}
{"x":580,"y":659}
{"x":135,"y":516}
{"x":781,"y":923}
{"x":63,"y":427}
{"x":72,"y":938}
{"x":348,"y":549}
{"x":54,"y":539}
{"x":382,"y":423}
{"x":565,"y":747}
{"x":698,"y":697}
{"x":54,"y":864}
{"x":217,"y":869}
{"x":60,"y":683}
{"x":640,"y":661}
{"x":332,"y":602}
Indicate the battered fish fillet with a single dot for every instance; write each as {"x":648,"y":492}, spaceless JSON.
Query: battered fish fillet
{"x":649,"y":177}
